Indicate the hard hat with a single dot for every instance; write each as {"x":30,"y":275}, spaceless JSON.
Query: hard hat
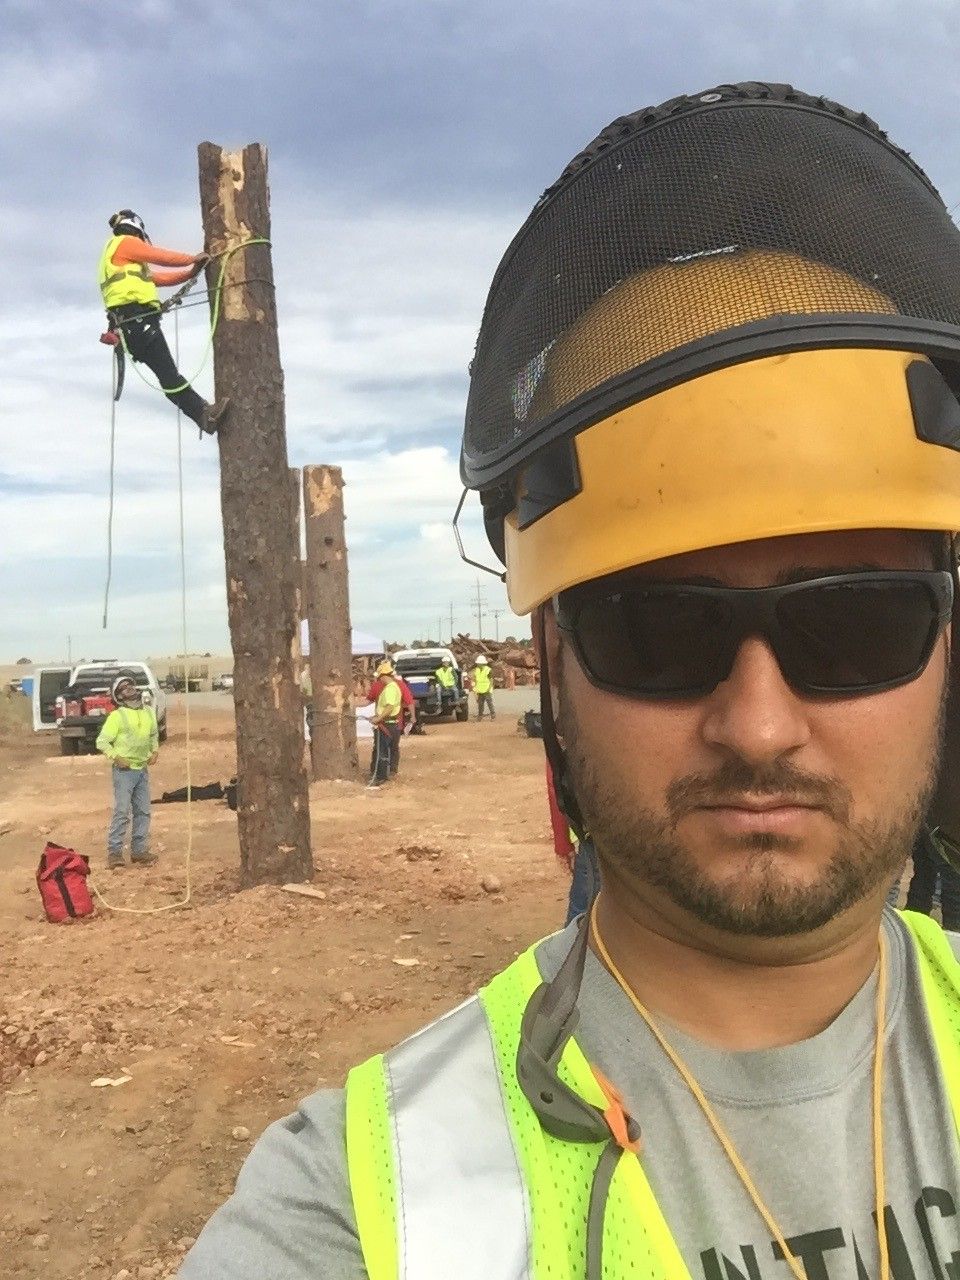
{"x":126,"y":222}
{"x":133,"y":699}
{"x":482,"y":660}
{"x":447,"y":661}
{"x":670,"y":359}
{"x":385,"y":668}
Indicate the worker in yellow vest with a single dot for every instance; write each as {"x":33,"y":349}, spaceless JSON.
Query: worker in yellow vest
{"x":129,"y":738}
{"x":387,"y":725}
{"x":446,"y":679}
{"x":129,"y":277}
{"x":713,"y":421}
{"x":481,"y":678}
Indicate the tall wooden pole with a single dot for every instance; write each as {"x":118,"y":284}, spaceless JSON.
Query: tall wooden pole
{"x":334,"y":745}
{"x":273,"y":811}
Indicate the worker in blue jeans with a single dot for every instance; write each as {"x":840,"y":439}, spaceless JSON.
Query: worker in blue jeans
{"x":130,"y":741}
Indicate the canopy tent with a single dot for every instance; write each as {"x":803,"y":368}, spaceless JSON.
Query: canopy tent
{"x":361,"y":644}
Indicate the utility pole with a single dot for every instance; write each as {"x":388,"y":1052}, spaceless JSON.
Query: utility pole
{"x":496,"y":624}
{"x":273,"y":813}
{"x":479,"y":607}
{"x":69,"y":651}
{"x":327,"y":600}
{"x":451,"y":619}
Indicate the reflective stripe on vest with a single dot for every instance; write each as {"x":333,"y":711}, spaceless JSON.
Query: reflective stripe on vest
{"x":444,"y":1105}
{"x":457,"y":1213}
{"x":438,"y":1129}
{"x":129,"y":283}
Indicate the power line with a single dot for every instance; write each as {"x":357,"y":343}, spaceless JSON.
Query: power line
{"x":479,"y":610}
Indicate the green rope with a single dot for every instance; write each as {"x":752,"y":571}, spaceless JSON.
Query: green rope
{"x":217,"y":291}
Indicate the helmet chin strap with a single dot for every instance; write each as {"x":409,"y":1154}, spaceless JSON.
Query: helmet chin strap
{"x":549,"y":1021}
{"x":551,"y":743}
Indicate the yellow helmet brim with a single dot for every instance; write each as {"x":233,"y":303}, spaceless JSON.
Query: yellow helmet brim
{"x":786,"y":444}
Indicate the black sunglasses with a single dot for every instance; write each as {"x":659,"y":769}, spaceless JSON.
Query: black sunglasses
{"x":850,"y":633}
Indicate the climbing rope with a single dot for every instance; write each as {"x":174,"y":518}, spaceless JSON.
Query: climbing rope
{"x":113,"y":453}
{"x":188,"y":888}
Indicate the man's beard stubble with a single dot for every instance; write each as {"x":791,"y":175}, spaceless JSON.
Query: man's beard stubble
{"x":643,"y":849}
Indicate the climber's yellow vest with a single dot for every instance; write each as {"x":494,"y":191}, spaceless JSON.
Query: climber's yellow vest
{"x":130,"y":283}
{"x":453,"y":1177}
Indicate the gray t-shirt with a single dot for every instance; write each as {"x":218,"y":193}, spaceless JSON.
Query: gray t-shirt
{"x":800,"y":1116}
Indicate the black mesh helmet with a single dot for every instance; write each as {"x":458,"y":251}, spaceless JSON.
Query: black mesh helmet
{"x":742,"y":169}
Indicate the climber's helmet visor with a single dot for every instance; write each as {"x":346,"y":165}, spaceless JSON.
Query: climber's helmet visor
{"x":841,"y":635}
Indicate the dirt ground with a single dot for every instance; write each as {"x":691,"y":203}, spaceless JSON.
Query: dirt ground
{"x":225,"y":1012}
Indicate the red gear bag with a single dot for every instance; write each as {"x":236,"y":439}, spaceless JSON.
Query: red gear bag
{"x":62,"y":881}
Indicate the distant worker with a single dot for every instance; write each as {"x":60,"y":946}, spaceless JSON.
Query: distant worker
{"x":446,"y":679}
{"x":130,"y":741}
{"x":408,"y":712}
{"x":482,"y":679}
{"x":129,"y":290}
{"x":387,"y":726}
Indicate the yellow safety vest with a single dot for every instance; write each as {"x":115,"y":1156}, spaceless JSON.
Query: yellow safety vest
{"x":482,"y":679}
{"x":130,"y":733}
{"x":452,"y":1173}
{"x":130,"y":283}
{"x":445,"y":677}
{"x":389,"y":701}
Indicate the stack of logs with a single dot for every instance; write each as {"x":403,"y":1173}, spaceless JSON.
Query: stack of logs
{"x":513,"y":664}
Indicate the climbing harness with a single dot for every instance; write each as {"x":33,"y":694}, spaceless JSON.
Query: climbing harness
{"x":113,"y":334}
{"x":176,"y":300}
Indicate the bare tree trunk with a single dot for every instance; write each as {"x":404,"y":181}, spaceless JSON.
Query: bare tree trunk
{"x":326,"y":588}
{"x":273,"y":811}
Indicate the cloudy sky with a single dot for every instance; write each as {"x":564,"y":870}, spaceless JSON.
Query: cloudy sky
{"x":408,"y":140}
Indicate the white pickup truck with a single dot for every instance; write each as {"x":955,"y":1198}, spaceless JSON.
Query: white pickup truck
{"x":75,"y":700}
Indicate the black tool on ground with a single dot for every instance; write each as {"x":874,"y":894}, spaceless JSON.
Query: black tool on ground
{"x":230,"y":792}
{"x":533,"y":724}
{"x":210,"y":791}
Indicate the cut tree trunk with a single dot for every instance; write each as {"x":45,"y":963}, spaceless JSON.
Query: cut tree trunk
{"x":273,"y":813}
{"x":327,"y":602}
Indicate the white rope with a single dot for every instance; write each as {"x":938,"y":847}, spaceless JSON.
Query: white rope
{"x":183,"y":625}
{"x":113,"y":442}
{"x":188,"y":889}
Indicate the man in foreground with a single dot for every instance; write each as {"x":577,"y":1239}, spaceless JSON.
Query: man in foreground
{"x":720,"y":464}
{"x":130,"y":741}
